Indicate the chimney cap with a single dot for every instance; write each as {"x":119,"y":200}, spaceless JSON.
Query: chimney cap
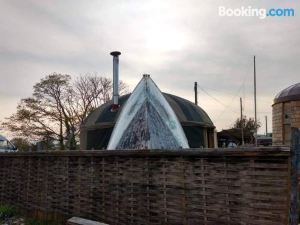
{"x":115,"y":53}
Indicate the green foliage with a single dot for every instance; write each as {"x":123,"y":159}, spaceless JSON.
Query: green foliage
{"x":30,"y":221}
{"x":248,"y":124}
{"x":7,"y":211}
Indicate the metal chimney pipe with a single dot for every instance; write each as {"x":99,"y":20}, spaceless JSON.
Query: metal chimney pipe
{"x":115,"y":55}
{"x":196,"y":93}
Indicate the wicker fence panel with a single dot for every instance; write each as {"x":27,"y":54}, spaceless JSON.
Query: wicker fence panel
{"x":138,"y":187}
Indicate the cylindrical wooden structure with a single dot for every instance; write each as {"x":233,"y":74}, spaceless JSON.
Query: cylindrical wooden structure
{"x":286,"y":114}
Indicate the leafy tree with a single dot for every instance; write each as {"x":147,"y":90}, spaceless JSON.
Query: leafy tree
{"x":248,"y":125}
{"x":234,"y":134}
{"x":58,"y":107}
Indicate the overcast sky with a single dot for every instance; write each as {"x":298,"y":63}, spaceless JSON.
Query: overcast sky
{"x":177,"y":42}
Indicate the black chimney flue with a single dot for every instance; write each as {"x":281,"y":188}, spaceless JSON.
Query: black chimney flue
{"x":196,"y":93}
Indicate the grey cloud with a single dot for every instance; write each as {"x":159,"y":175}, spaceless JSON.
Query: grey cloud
{"x":177,"y":42}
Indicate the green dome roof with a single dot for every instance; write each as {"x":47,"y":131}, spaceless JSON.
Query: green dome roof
{"x":187,"y":112}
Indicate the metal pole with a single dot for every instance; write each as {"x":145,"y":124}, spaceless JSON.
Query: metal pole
{"x":196,"y":93}
{"x":266,"y":118}
{"x":242,"y":121}
{"x":294,"y":172}
{"x":255,"y":115}
{"x":115,"y":55}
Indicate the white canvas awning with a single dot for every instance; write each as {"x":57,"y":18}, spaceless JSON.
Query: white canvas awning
{"x":147,"y":121}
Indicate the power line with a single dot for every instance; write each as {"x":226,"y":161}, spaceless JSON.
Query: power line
{"x":231,"y":101}
{"x":212,"y":96}
{"x":217,"y":100}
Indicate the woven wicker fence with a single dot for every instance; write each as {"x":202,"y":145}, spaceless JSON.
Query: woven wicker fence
{"x":152,"y":187}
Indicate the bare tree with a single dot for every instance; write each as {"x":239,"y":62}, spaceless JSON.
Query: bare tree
{"x":58,"y":108}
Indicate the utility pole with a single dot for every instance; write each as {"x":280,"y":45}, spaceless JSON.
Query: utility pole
{"x":196,"y":93}
{"x":266,"y":125}
{"x":242,"y":121}
{"x":255,"y":115}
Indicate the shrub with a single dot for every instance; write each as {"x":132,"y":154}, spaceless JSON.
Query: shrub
{"x":30,"y":221}
{"x":7,"y":211}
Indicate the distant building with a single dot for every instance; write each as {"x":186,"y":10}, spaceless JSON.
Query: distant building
{"x":264,"y":140}
{"x":286,"y":114}
{"x":233,"y":137}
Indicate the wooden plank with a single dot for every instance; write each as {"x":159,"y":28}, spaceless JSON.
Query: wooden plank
{"x":295,"y":159}
{"x":81,"y":221}
{"x":236,"y":152}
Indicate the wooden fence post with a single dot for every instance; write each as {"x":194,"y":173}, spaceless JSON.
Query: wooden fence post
{"x":295,"y":157}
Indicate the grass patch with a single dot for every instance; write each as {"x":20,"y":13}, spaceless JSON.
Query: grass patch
{"x":31,"y":221}
{"x":7,"y":211}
